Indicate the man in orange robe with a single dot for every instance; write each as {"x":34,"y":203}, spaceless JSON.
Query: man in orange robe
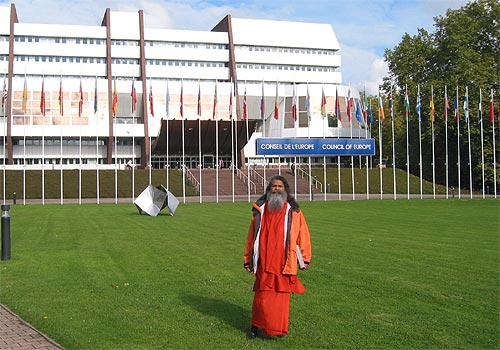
{"x":277,"y":245}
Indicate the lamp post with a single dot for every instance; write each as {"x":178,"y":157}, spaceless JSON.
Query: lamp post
{"x":5,"y":232}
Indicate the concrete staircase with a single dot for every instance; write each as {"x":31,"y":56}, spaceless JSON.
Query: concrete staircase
{"x":222,"y":181}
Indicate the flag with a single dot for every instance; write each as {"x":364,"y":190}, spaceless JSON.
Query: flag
{"x":480,"y":109}
{"x":323,"y":102}
{"x":80,"y":101}
{"x":446,"y":105}
{"x":215,"y":101}
{"x":407,"y":104}
{"x":262,"y":104}
{"x":381,"y":114}
{"x":276,"y":105}
{"x":455,"y":107}
{"x":167,"y":102}
{"x":365,"y":106}
{"x":151,"y":104}
{"x":231,"y":100}
{"x":492,"y":107}
{"x":391,"y":105}
{"x":95,"y":97}
{"x":349,"y":104}
{"x":308,"y":104}
{"x":466,"y":104}
{"x":42,"y":98}
{"x":114,"y":107}
{"x":359,"y":113}
{"x":294,"y":104}
{"x":199,"y":99}
{"x":418,"y":105}
{"x":370,"y":113}
{"x":61,"y":108}
{"x":431,"y":106}
{"x":337,"y":104}
{"x":245,"y":110}
{"x":181,"y":107}
{"x":25,"y":95}
{"x":133,"y":95}
{"x":4,"y":93}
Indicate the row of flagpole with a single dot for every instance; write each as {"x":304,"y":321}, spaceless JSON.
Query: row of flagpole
{"x":348,"y":103}
{"x":432,"y":119}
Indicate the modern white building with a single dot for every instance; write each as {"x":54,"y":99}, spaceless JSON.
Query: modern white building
{"x":69,"y":90}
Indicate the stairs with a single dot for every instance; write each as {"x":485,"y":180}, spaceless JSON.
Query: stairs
{"x":210,"y":185}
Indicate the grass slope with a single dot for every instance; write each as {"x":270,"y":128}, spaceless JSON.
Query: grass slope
{"x":385,"y":274}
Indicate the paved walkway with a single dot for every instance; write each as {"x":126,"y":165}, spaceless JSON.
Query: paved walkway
{"x":15,"y":334}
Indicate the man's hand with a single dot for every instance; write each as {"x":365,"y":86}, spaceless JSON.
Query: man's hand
{"x":247,"y":267}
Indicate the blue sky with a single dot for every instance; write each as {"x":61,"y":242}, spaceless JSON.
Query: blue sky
{"x":364,"y":28}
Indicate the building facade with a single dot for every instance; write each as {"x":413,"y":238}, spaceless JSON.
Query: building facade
{"x":84,"y":95}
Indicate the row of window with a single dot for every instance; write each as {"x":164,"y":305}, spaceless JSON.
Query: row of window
{"x":284,"y":67}
{"x":186,"y":63}
{"x":286,"y":50}
{"x":63,"y":59}
{"x":94,"y":41}
{"x":41,"y":39}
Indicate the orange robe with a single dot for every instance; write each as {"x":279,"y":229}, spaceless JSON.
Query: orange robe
{"x":271,"y":304}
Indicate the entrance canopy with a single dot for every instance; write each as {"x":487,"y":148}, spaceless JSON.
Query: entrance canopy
{"x":212,"y":134}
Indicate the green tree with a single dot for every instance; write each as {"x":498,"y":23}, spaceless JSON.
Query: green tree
{"x":463,"y":52}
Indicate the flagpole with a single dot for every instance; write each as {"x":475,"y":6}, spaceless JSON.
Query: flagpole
{"x":457,"y":117}
{"x":295,"y":123}
{"x":368,"y":132}
{"x":446,"y":106}
{"x":381,"y":111}
{"x":183,"y":144}
{"x":4,"y":145}
{"x":433,"y":144}
{"x":349,"y":100}
{"x":149,"y":126}
{"x":80,"y":111}
{"x":419,"y":104}
{"x":96,"y":140}
{"x":245,"y":116}
{"x":167,"y":113}
{"x":200,"y":162}
{"x":43,"y":138}
{"x":309,"y":117}
{"x":325,"y":118}
{"x":61,"y":150}
{"x":494,"y":161}
{"x":23,"y":107}
{"x":480,"y":112}
{"x":407,"y":144}
{"x":494,"y":150}
{"x":339,"y":127}
{"x":468,"y":139}
{"x":232,"y":135}
{"x":134,"y":96}
{"x":391,"y":102}
{"x":216,"y":145}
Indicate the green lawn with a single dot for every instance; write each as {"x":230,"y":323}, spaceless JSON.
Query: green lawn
{"x":418,"y":274}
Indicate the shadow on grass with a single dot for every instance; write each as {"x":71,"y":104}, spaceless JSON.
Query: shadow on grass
{"x":229,"y":313}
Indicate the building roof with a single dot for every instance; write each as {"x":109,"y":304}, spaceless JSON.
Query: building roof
{"x":284,"y":34}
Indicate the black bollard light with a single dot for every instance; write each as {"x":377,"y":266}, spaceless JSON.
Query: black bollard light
{"x":5,"y":232}
{"x":14,"y":198}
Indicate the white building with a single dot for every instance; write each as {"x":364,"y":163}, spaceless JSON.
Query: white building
{"x":62,"y":83}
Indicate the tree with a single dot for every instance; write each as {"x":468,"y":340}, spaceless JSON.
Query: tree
{"x":463,"y":51}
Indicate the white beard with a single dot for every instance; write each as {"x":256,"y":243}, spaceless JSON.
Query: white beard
{"x":275,"y":200}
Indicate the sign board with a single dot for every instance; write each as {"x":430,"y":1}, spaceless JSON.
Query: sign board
{"x":315,"y":147}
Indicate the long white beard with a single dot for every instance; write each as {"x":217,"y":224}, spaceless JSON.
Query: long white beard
{"x":275,"y":200}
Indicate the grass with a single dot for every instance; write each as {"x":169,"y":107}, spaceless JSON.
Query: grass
{"x":33,"y":182}
{"x":420,"y":274}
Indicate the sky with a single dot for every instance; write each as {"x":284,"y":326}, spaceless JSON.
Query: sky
{"x":364,"y":28}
